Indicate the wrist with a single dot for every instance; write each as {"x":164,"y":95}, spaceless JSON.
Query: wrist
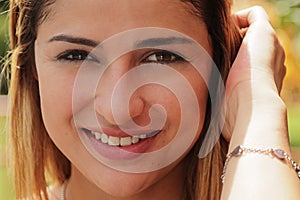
{"x":260,"y":122}
{"x":267,"y":111}
{"x":267,"y":128}
{"x":256,"y":94}
{"x":261,"y":102}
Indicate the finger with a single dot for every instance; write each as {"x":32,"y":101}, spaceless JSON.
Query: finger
{"x":246,"y":17}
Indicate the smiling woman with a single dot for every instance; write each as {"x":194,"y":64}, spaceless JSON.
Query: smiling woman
{"x":123,"y":99}
{"x":57,"y":58}
{"x":57,"y":63}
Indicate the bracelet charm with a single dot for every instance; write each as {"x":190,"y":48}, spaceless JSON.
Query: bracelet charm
{"x":277,"y":153}
{"x":280,"y":154}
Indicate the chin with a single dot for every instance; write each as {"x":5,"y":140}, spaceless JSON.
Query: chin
{"x":128,"y":185}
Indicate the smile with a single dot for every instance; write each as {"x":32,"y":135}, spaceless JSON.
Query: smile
{"x":120,"y":141}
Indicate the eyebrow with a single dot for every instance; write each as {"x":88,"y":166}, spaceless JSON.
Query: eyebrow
{"x":154,"y":42}
{"x":74,"y":40}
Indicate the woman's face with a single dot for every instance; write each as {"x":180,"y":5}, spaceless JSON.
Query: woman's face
{"x":71,"y":31}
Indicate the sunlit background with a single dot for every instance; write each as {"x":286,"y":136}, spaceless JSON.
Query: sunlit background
{"x":285,"y":17}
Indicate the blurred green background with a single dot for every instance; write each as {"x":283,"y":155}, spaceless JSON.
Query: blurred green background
{"x":285,"y":17}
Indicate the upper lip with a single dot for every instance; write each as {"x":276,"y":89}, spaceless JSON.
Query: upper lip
{"x":120,"y":133}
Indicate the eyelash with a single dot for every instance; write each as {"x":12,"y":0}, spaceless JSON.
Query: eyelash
{"x":76,"y":55}
{"x":161,"y":57}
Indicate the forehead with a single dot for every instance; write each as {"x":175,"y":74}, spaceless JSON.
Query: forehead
{"x":100,"y":19}
{"x":118,"y":8}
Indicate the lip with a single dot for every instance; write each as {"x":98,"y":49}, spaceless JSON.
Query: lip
{"x":99,"y":149}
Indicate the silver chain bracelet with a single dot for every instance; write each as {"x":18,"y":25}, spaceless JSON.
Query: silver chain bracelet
{"x":277,"y":153}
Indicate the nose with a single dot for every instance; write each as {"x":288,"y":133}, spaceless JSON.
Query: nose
{"x":110,"y":102}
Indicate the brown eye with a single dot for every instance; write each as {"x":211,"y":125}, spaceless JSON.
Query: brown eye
{"x":163,"y":57}
{"x":76,"y":56}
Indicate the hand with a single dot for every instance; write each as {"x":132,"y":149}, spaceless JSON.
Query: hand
{"x":256,"y":77}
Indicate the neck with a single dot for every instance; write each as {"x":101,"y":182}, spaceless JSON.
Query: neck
{"x":168,"y":187}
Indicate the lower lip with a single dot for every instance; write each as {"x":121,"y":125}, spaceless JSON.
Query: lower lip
{"x":119,"y":152}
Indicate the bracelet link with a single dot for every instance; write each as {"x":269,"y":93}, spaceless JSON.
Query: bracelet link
{"x":277,"y":153}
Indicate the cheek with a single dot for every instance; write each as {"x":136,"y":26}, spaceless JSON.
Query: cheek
{"x":56,"y":88}
{"x":200,"y":89}
{"x":179,"y":106}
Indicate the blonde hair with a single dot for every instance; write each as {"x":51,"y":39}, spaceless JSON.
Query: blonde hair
{"x":33,"y":154}
{"x":32,"y":151}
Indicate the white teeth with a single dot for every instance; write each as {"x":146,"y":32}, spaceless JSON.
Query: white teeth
{"x":97,"y":135}
{"x":143,"y":136}
{"x":135,"y":139}
{"x":104,"y":138}
{"x":113,"y":141}
{"x":125,"y":141}
{"x":118,"y":141}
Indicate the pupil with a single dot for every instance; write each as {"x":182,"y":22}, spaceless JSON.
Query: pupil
{"x":163,"y":56}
